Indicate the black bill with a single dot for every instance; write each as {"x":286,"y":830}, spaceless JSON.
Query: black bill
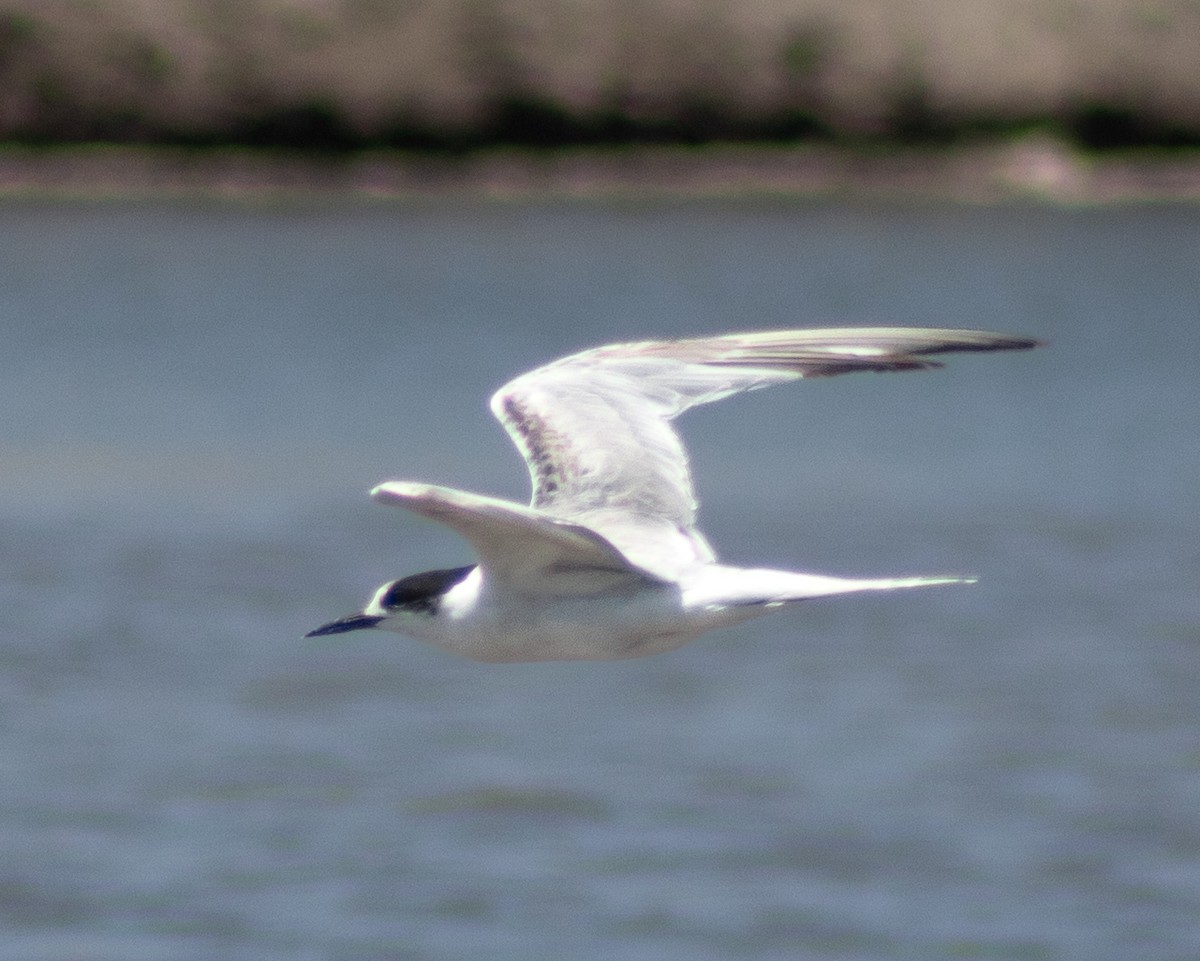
{"x":355,"y":622}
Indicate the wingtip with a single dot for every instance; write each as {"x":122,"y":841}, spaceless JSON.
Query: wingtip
{"x":967,"y":341}
{"x":1017,"y":342}
{"x":397,"y":490}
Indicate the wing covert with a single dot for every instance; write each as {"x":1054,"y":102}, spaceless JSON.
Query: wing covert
{"x":521,"y":545}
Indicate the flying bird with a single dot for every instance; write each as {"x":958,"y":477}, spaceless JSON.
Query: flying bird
{"x":607,"y":561}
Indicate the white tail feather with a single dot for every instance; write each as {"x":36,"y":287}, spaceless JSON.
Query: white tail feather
{"x":720,"y":586}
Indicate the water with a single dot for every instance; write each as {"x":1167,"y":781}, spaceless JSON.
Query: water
{"x":197,"y":398}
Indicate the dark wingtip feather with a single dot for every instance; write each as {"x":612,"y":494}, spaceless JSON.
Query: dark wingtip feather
{"x":992,"y":342}
{"x":852,"y":365}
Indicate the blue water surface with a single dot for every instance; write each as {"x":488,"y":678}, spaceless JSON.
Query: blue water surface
{"x":197,"y":397}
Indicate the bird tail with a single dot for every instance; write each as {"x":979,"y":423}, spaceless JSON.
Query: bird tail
{"x":727,"y":587}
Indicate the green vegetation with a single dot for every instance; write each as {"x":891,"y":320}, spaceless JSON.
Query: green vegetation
{"x":453,"y":75}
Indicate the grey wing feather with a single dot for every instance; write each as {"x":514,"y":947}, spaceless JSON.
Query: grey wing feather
{"x":520,"y":545}
{"x":595,"y":429}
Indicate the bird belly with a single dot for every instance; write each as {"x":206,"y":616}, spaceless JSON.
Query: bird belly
{"x":599,"y":628}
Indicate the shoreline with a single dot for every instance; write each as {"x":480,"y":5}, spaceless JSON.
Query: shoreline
{"x":1035,"y":168}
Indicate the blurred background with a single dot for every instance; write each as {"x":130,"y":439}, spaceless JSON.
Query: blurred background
{"x":340,"y":74}
{"x":257,"y":257}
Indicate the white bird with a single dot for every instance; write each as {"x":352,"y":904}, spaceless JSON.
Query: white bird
{"x":607,"y":561}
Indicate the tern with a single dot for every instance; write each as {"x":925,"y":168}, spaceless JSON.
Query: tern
{"x":607,"y":561}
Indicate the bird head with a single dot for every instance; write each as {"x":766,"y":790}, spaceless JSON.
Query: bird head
{"x":400,"y":603}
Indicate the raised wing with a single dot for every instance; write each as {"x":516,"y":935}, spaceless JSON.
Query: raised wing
{"x":519,"y":545}
{"x":595,"y":430}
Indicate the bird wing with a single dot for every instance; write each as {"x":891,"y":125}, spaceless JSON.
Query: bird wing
{"x":594,"y":428}
{"x":521,"y":546}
